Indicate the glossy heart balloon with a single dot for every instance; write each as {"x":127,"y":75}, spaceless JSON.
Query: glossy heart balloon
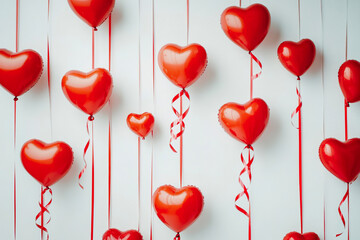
{"x":341,"y":158}
{"x":297,"y":57}
{"x":88,"y":91}
{"x":245,"y":122}
{"x":114,"y":234}
{"x":247,"y":27}
{"x":298,"y":236}
{"x":47,"y":163}
{"x":141,"y":124}
{"x":93,"y":12}
{"x":349,"y":80}
{"x":182,"y":65}
{"x":178,"y":208}
{"x":19,"y":71}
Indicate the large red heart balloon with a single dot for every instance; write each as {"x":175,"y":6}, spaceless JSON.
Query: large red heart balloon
{"x":297,"y":57}
{"x":141,"y":124}
{"x":341,"y":158}
{"x":182,"y":65}
{"x":349,"y":80}
{"x":298,"y":236}
{"x":88,"y":91}
{"x":93,"y":12}
{"x":178,"y":208}
{"x":19,"y":71}
{"x":114,"y":234}
{"x":47,"y":163}
{"x":247,"y":27}
{"x":245,"y":122}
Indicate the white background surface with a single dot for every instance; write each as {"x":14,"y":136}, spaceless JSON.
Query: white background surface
{"x":211,"y":157}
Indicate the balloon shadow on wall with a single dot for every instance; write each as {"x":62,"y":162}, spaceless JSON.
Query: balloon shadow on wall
{"x":272,"y":133}
{"x":317,"y":64}
{"x":116,"y":15}
{"x":202,"y":223}
{"x":273,"y":39}
{"x":206,"y":80}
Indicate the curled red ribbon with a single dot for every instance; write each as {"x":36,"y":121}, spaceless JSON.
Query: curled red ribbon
{"x":44,"y":209}
{"x":247,"y":169}
{"x":180,"y":117}
{"x":177,"y":237}
{"x":299,"y":106}
{"x":90,"y":119}
{"x":254,"y":76}
{"x":346,"y":196}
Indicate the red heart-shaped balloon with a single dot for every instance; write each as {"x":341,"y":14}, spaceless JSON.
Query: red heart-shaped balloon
{"x":114,"y":234}
{"x":298,"y":236}
{"x":19,"y":71}
{"x":178,"y":208}
{"x":341,"y":158}
{"x":349,"y":80}
{"x":297,"y":57}
{"x":182,"y":65}
{"x":93,"y":12}
{"x":47,"y":163}
{"x":245,"y":122}
{"x":88,"y":91}
{"x":141,"y":124}
{"x":247,"y":27}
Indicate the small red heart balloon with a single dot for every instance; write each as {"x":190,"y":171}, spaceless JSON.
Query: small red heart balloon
{"x":349,"y":80}
{"x":245,"y":122}
{"x":93,"y":12}
{"x":88,"y":91}
{"x":341,"y":158}
{"x":19,"y":71}
{"x":182,"y":65}
{"x":141,"y":124}
{"x":114,"y":234}
{"x":247,"y":27}
{"x":47,"y":163}
{"x":297,"y":57}
{"x":298,"y":236}
{"x":178,"y":208}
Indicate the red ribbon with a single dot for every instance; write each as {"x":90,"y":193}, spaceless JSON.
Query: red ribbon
{"x":44,"y":210}
{"x":247,"y":169}
{"x":254,"y":76}
{"x":180,"y":117}
{"x":177,"y":237}
{"x":109,"y":135}
{"x":346,"y":196}
{"x":90,"y":119}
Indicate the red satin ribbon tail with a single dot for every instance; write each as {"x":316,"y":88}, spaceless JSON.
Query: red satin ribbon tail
{"x":90,"y":119}
{"x":246,"y":169}
{"x":177,"y":237}
{"x":340,"y":212}
{"x":298,"y":107}
{"x":255,"y":59}
{"x":44,"y":209}
{"x":180,"y":117}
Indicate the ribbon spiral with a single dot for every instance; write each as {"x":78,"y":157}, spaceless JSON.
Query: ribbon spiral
{"x":299,"y":106}
{"x":180,"y":117}
{"x":246,"y":169}
{"x":346,"y":196}
{"x":90,"y":119}
{"x":44,"y":209}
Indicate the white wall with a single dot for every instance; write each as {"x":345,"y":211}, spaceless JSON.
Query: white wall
{"x":211,"y":157}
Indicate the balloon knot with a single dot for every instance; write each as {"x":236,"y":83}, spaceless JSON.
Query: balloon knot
{"x":347,"y":104}
{"x":250,"y":52}
{"x":248,"y":146}
{"x":91,"y":118}
{"x":177,"y":237}
{"x":298,"y":78}
{"x":15,"y":99}
{"x":95,"y":29}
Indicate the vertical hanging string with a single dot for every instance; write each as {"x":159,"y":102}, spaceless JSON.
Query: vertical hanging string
{"x":93,"y":49}
{"x":139,"y":107}
{"x":152,"y":132}
{"x":240,"y":3}
{"x":15,"y":100}
{"x":48,"y":65}
{"x":44,"y":208}
{"x":109,"y":136}
{"x":348,"y":202}
{"x":92,"y":179}
{"x":323,"y":111}
{"x":298,"y":109}
{"x":245,"y":187}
